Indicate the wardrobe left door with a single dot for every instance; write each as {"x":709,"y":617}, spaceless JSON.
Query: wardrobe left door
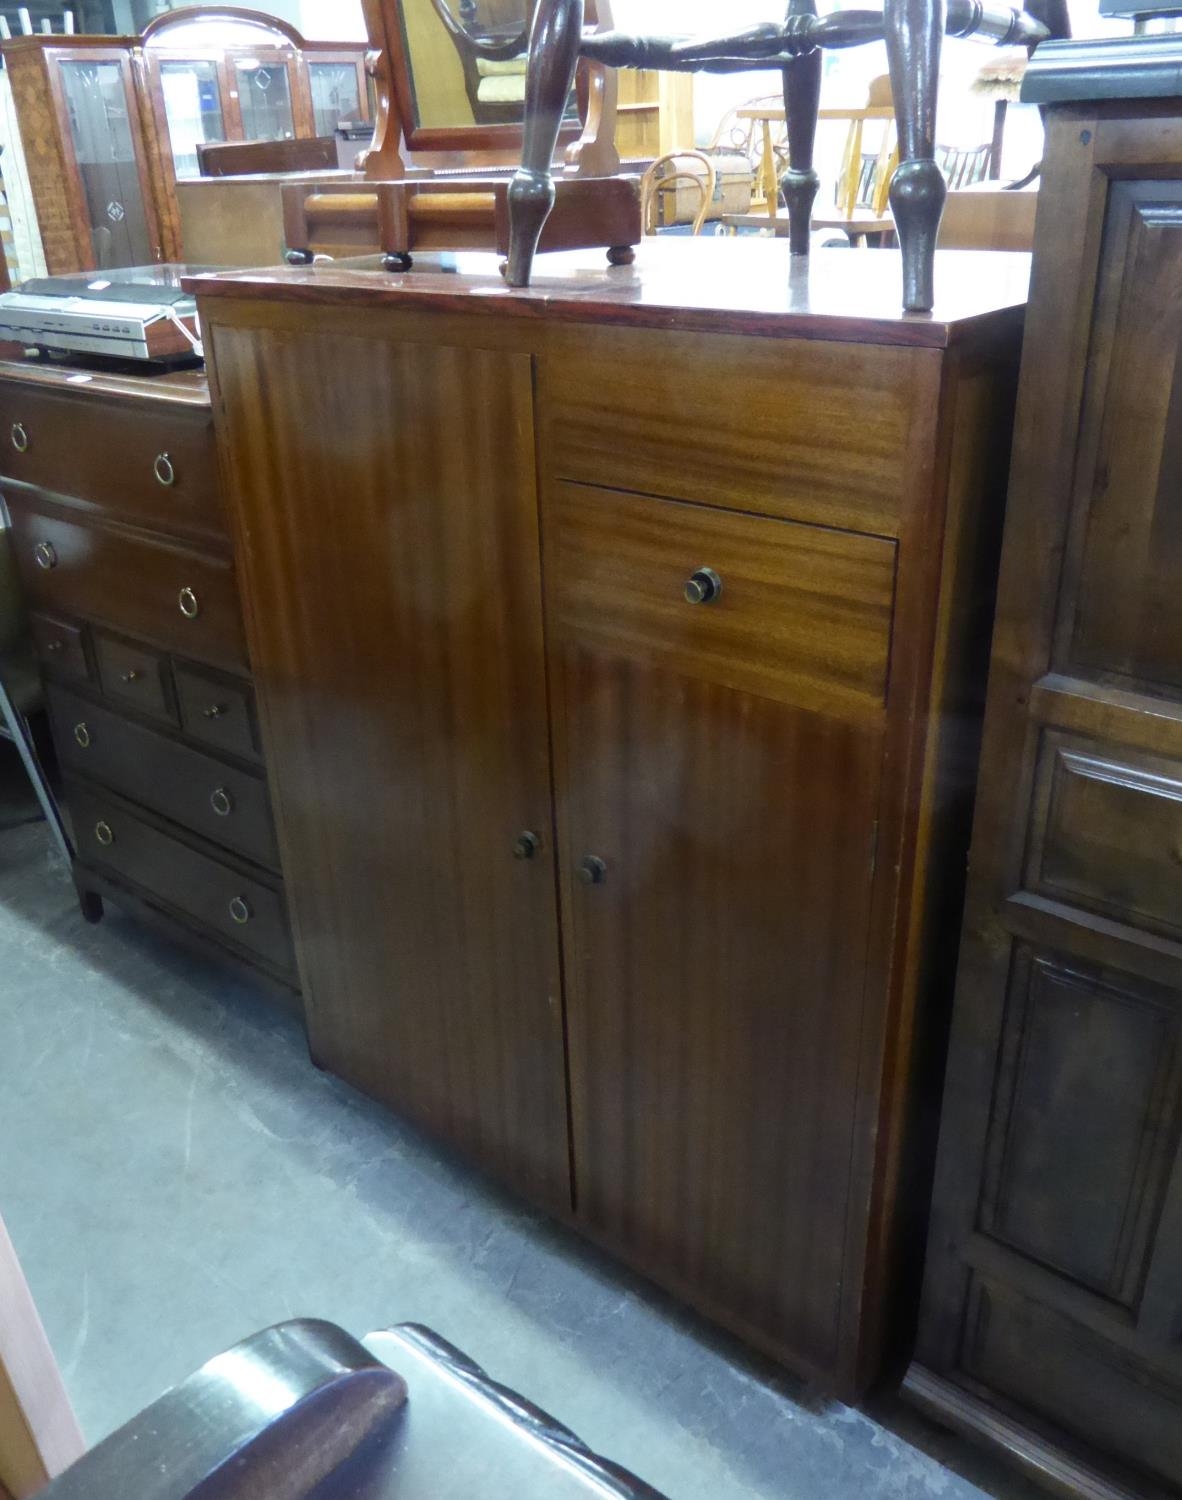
{"x":384,"y":505}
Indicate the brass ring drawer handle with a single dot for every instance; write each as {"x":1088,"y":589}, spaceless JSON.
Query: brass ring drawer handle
{"x":526,"y":845}
{"x":82,"y":735}
{"x":20,"y":438}
{"x":188,"y":602}
{"x":214,"y":711}
{"x":45,"y":556}
{"x":164,"y":470}
{"x":240,"y":911}
{"x":133,"y":675}
{"x":703,"y":586}
{"x":53,"y":647}
{"x":102,"y":832}
{"x":221,"y":802}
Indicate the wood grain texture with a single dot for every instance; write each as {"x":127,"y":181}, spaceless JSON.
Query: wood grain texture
{"x":746,"y":424}
{"x":1053,"y":1287}
{"x":803,"y":614}
{"x":394,"y":610}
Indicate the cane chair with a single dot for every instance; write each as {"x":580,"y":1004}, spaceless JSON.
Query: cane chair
{"x":663,"y":177}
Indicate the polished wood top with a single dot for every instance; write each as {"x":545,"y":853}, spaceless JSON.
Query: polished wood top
{"x":709,"y":285}
{"x":188,"y":387}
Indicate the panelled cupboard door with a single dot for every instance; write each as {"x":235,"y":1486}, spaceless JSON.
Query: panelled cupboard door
{"x":384,"y":499}
{"x":716,"y":834}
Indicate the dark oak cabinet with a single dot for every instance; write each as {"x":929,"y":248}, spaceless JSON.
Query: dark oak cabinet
{"x":621,"y":766}
{"x":1052,"y":1313}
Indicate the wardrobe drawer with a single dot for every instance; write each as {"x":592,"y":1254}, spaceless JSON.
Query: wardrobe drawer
{"x":237,"y":908}
{"x":221,"y":803}
{"x":60,"y":646}
{"x":134,"y":675}
{"x":1107,"y":833}
{"x":147,"y":462}
{"x":217,"y":710}
{"x":792,"y":612}
{"x":814,"y":431}
{"x":181,"y":599}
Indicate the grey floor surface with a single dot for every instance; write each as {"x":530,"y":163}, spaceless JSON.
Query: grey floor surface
{"x":175,"y":1175}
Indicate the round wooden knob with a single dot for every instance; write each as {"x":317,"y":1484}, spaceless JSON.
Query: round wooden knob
{"x":593,"y":870}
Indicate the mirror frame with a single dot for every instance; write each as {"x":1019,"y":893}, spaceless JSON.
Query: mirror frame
{"x":384,"y":23}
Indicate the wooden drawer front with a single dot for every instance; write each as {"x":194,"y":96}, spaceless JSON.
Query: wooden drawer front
{"x":132,"y":582}
{"x":110,"y":836}
{"x":1073,"y":1378}
{"x":133,"y":674}
{"x":107,"y":452}
{"x":1107,"y":833}
{"x":222,"y":803}
{"x":803,"y":615}
{"x":216,"y":710}
{"x":811,"y":431}
{"x":60,"y":646}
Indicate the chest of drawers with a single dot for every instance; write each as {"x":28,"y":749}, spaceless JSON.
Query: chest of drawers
{"x":111,"y":491}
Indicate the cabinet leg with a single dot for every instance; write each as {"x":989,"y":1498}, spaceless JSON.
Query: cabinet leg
{"x":90,"y":903}
{"x":802,"y":98}
{"x":914,"y":33}
{"x":553,"y":54}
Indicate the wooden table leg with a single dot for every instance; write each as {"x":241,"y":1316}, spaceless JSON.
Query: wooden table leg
{"x":914,"y":32}
{"x":802,"y":98}
{"x":553,"y":54}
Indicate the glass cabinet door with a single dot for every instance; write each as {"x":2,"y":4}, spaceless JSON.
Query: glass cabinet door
{"x":98,"y":105}
{"x":193,"y":105}
{"x":336,"y":95}
{"x":264,"y":98}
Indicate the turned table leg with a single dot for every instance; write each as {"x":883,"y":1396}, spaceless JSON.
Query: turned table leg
{"x":553,"y":55}
{"x":914,"y":32}
{"x":802,"y":98}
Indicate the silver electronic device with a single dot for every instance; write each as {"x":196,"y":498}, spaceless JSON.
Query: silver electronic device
{"x":133,"y":313}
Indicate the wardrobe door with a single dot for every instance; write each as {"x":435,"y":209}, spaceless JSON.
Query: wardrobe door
{"x":386,"y":524}
{"x":716,"y":813}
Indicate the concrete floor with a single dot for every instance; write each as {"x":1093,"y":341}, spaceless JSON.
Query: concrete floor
{"x":175,"y":1175}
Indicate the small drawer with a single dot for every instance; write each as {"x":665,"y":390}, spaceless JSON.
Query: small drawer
{"x":237,"y":909}
{"x":148,"y":461}
{"x":134,"y":675}
{"x":810,"y":430}
{"x":60,"y":646}
{"x":217,"y":710}
{"x":1106,"y":833}
{"x":181,"y":599}
{"x":792,"y":612}
{"x":222,"y":803}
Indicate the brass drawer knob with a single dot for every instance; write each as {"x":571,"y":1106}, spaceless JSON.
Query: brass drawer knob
{"x":703,"y":586}
{"x":102,"y":832}
{"x":45,"y":556}
{"x":187,"y":600}
{"x":132,"y":675}
{"x":20,"y":438}
{"x":240,"y":911}
{"x":593,"y":870}
{"x":164,"y":470}
{"x":221,"y":802}
{"x":526,"y":845}
{"x":82,"y":735}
